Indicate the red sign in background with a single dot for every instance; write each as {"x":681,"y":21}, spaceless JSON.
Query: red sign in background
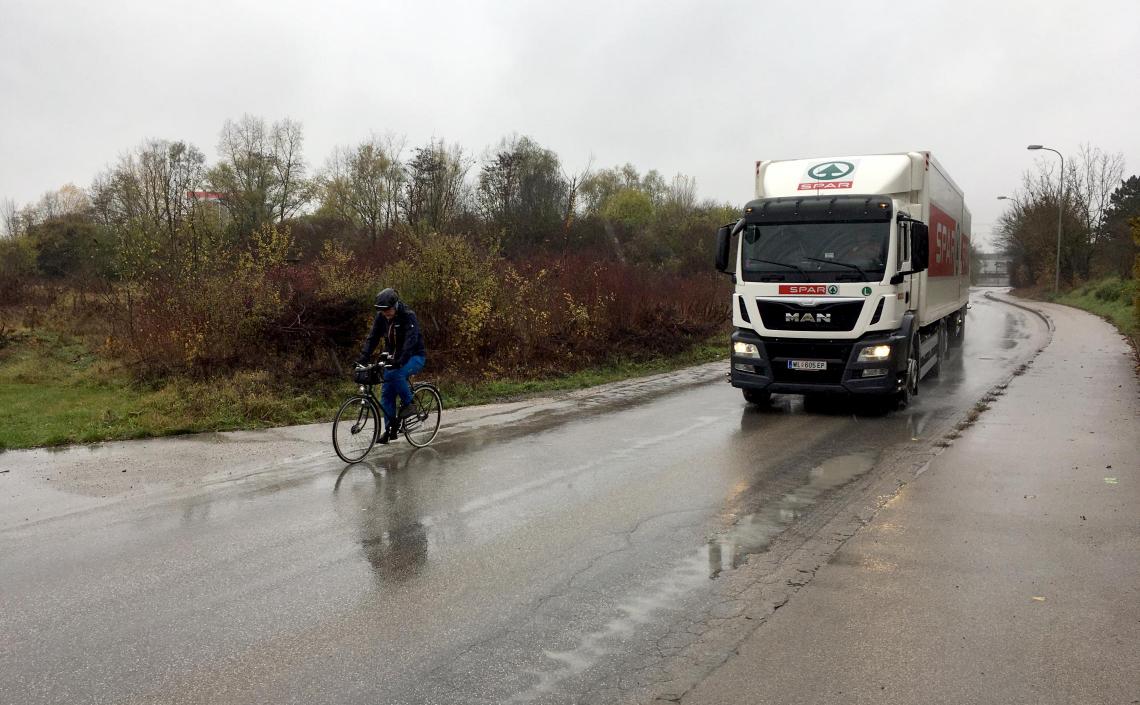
{"x":942,"y":228}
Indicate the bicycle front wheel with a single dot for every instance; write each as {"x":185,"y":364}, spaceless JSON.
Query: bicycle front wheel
{"x":355,"y":429}
{"x":420,"y":428}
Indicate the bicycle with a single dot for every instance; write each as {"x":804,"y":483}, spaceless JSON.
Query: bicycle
{"x":360,"y":419}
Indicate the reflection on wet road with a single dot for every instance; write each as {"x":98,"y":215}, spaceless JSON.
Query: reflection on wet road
{"x":526,"y":559}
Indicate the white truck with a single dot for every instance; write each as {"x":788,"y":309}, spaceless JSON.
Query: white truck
{"x":852,"y":276}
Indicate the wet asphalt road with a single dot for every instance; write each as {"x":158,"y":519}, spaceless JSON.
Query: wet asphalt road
{"x":539,"y":552}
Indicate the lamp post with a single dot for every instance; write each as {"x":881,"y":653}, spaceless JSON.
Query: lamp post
{"x":1060,"y":212}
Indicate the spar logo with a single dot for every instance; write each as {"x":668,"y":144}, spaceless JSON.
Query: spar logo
{"x":830,"y":171}
{"x":828,"y":175}
{"x":809,"y":289}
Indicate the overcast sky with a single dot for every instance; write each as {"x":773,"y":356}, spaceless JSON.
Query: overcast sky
{"x":699,"y":88}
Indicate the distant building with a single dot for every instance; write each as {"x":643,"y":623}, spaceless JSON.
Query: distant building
{"x":211,"y":205}
{"x":993,"y":269}
{"x":205,"y":195}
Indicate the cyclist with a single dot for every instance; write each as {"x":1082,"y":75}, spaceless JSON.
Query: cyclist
{"x":396,"y":324}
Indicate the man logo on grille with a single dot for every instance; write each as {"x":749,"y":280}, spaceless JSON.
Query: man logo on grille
{"x":807,"y":318}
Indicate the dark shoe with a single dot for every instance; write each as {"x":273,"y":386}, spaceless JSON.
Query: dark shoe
{"x":391,"y":434}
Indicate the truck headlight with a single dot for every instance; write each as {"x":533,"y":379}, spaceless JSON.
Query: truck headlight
{"x":745,"y":349}
{"x":874,"y":353}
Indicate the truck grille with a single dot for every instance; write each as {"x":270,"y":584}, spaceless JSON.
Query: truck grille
{"x":838,"y":316}
{"x":836,"y":355}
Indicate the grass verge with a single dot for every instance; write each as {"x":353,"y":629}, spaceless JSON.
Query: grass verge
{"x":1112,"y":299}
{"x":54,"y":391}
{"x":1109,"y":298}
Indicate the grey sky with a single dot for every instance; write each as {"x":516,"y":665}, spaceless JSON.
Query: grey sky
{"x":700,"y":88}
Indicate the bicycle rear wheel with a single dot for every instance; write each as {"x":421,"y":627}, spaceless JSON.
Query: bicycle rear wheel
{"x":355,"y":429}
{"x":420,"y":428}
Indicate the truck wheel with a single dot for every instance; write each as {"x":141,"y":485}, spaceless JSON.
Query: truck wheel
{"x":959,"y":334}
{"x":910,"y":386}
{"x":756,"y":396}
{"x":942,"y":349}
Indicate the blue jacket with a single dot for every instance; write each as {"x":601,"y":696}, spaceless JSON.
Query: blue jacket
{"x":402,"y":338}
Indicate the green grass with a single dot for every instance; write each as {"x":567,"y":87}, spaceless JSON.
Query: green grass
{"x":466,"y":394}
{"x":55,"y":391}
{"x":1110,"y":298}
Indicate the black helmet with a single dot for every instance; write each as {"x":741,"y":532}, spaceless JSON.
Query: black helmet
{"x":387,"y":299}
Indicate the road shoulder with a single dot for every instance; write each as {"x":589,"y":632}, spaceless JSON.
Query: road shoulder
{"x":1009,"y":571}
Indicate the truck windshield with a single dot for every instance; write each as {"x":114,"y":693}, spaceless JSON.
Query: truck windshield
{"x":818,"y":252}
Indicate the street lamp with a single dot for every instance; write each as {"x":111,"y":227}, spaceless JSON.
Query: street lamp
{"x":1060,"y":212}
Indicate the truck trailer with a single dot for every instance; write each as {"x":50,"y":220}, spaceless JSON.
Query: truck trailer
{"x":851,"y":276}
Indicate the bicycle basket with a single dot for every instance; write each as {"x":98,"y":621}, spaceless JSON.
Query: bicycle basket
{"x":372,"y":374}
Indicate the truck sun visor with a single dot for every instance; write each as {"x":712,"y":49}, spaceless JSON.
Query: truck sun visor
{"x":804,"y":209}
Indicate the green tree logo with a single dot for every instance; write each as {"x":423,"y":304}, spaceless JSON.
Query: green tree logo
{"x":830,"y":171}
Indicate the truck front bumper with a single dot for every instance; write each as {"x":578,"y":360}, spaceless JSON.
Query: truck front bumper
{"x":771,"y":370}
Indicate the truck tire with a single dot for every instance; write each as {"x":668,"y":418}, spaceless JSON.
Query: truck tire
{"x":757,"y":396}
{"x":941,"y":352}
{"x":958,"y":335}
{"x":903,"y":398}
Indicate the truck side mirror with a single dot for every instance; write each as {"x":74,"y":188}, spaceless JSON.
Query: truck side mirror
{"x":723,"y":240}
{"x":919,"y":247}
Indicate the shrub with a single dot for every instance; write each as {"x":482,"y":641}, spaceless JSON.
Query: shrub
{"x":17,"y":268}
{"x":1109,"y":290}
{"x":211,"y":316}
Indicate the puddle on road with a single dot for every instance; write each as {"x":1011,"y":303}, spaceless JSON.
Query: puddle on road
{"x":656,"y":599}
{"x":753,"y":533}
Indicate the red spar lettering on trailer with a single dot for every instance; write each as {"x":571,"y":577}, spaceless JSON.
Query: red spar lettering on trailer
{"x":804,"y":289}
{"x":825,"y":185}
{"x":942,"y":228}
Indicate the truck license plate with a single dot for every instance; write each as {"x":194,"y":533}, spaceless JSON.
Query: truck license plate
{"x":807,"y":365}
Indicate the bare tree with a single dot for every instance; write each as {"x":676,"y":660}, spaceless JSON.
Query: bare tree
{"x":291,"y":192}
{"x":682,"y":193}
{"x":261,"y":175}
{"x":522,"y":193}
{"x":573,"y":187}
{"x":152,"y":198}
{"x":1097,"y":176}
{"x":363,"y":183}
{"x":1029,"y":232}
{"x":10,"y":218}
{"x":435,"y":191}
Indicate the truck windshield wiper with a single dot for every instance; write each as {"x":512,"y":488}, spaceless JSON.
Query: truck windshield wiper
{"x":782,"y":264}
{"x":856,"y":267}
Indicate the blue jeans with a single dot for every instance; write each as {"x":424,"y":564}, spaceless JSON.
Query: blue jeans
{"x":396,"y":382}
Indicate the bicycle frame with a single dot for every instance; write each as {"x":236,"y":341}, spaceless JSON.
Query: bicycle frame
{"x":366,"y":391}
